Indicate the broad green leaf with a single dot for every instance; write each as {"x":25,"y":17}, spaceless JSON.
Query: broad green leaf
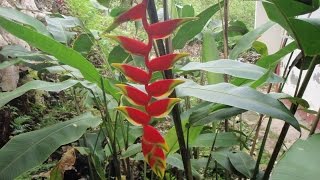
{"x":279,"y":12}
{"x":246,"y":41}
{"x":263,"y":79}
{"x":242,"y":162}
{"x":210,"y":52}
{"x":225,"y":139}
{"x":260,"y":47}
{"x":216,"y":115}
{"x":191,"y":29}
{"x":6,"y":64}
{"x":59,"y":28}
{"x":172,"y":140}
{"x":64,"y":54}
{"x":221,"y":156}
{"x":6,"y":97}
{"x":240,"y":97}
{"x":83,"y":43}
{"x":273,"y":59}
{"x":118,"y":55}
{"x":268,"y":62}
{"x":18,"y":16}
{"x":132,"y":150}
{"x":175,"y":160}
{"x":301,"y":161}
{"x":28,"y":150}
{"x":187,"y":11}
{"x":233,"y":68}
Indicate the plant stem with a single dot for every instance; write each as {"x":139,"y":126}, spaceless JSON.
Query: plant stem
{"x":115,"y":160}
{"x":258,"y":127}
{"x":210,"y":155}
{"x":175,"y":111}
{"x":315,"y":123}
{"x":263,"y":144}
{"x":286,"y":126}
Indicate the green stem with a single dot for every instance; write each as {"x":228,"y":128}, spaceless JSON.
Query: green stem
{"x":286,"y":126}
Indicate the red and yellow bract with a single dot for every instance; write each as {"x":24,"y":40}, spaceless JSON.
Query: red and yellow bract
{"x":154,"y":102}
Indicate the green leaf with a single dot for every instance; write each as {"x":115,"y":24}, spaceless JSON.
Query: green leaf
{"x":118,"y":55}
{"x":273,"y":59}
{"x":59,"y":28}
{"x":191,"y":29}
{"x":216,"y":115}
{"x":175,"y":160}
{"x":172,"y":140}
{"x":28,"y":150}
{"x":221,"y":156}
{"x":301,"y":161}
{"x":9,"y":63}
{"x":210,"y":52}
{"x":240,"y":97}
{"x":225,"y":139}
{"x":248,"y":39}
{"x":233,"y":68}
{"x":132,"y":150}
{"x":18,"y":16}
{"x":37,"y":84}
{"x":279,"y":12}
{"x":243,"y":163}
{"x":64,"y":54}
{"x":187,"y":11}
{"x":261,"y":48}
{"x":84,"y":43}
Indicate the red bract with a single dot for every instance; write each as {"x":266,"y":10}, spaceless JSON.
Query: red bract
{"x":165,"y":62}
{"x":134,"y":95}
{"x":161,"y":108}
{"x":135,"y":13}
{"x":162,"y":88}
{"x":135,"y":116}
{"x":163,"y":29}
{"x":132,"y":46}
{"x":152,"y":136}
{"x":133,"y":74}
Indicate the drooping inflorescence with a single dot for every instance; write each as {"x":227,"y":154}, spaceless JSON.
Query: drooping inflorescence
{"x":154,"y":100}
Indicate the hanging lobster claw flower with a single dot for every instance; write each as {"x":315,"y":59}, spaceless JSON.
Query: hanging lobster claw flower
{"x":161,"y":108}
{"x":153,"y":147}
{"x":163,"y":29}
{"x":134,"y":95}
{"x":133,"y":73}
{"x":132,"y":46}
{"x":135,"y":116}
{"x":155,"y":158}
{"x":133,"y":14}
{"x":163,"y":88}
{"x":165,"y":62}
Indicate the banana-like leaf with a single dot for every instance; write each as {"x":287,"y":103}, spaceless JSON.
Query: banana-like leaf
{"x":28,"y":150}
{"x":6,"y":97}
{"x":18,"y":16}
{"x":248,"y":39}
{"x":301,"y":161}
{"x":240,"y":97}
{"x":64,"y":54}
{"x":233,"y":68}
{"x":191,"y":29}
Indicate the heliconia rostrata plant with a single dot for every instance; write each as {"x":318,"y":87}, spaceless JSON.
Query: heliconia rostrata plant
{"x":154,"y":100}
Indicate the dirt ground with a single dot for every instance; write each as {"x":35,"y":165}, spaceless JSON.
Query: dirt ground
{"x":251,"y":118}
